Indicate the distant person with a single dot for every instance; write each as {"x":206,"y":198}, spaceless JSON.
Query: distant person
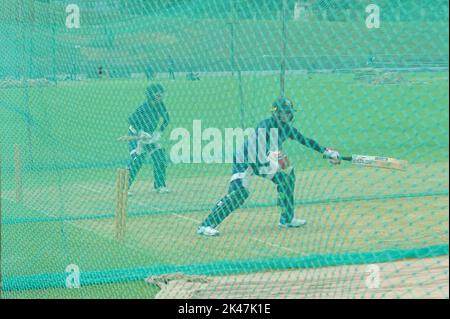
{"x":171,"y":67}
{"x":145,"y":124}
{"x":193,"y":76}
{"x":149,"y":73}
{"x":370,"y":60}
{"x":74,"y":72}
{"x":102,"y":73}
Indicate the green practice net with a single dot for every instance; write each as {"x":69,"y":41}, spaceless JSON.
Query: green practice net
{"x":366,"y":77}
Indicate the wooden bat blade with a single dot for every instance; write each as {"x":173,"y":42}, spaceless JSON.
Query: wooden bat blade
{"x":380,"y":162}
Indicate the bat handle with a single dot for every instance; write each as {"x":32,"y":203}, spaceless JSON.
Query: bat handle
{"x":342,"y":158}
{"x":346,"y":158}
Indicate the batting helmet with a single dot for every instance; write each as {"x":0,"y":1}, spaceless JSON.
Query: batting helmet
{"x":283,"y":106}
{"x":153,"y":90}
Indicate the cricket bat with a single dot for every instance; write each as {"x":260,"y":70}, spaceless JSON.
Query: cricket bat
{"x":128,"y":138}
{"x":376,"y":161}
{"x":142,"y":137}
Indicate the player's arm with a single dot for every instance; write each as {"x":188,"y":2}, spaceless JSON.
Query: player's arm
{"x":331,"y":154}
{"x":308,"y":142}
{"x":156,"y":136}
{"x":165,"y":116}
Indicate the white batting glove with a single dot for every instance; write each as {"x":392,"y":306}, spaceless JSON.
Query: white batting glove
{"x":333,"y":156}
{"x":156,"y":137}
{"x":139,"y":148}
{"x":146,"y":138}
{"x":273,"y":162}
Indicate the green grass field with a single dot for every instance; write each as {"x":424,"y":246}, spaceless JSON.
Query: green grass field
{"x":407,"y":120}
{"x":67,"y":213}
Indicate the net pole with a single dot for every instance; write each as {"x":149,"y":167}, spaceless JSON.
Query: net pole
{"x":18,"y":173}
{"x":54,"y":61}
{"x":27,"y":71}
{"x":234,"y":67}
{"x":283,"y":47}
{"x":121,"y":203}
{"x":232,"y":36}
{"x":241,"y":98}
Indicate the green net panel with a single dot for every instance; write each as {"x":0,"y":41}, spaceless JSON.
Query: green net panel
{"x":366,"y":77}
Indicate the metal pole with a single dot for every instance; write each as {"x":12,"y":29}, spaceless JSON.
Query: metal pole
{"x":232,"y":36}
{"x":28,"y":71}
{"x":18,"y":173}
{"x":283,"y":47}
{"x":54,"y":60}
{"x":234,"y":67}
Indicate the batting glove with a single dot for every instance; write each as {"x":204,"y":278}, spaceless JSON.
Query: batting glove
{"x":333,"y":156}
{"x":146,"y":138}
{"x":156,"y":137}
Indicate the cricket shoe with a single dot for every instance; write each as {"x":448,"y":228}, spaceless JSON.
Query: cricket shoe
{"x":295,"y":223}
{"x":162,"y":190}
{"x":207,"y":231}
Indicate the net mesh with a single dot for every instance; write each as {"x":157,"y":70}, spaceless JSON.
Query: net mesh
{"x":73,"y":71}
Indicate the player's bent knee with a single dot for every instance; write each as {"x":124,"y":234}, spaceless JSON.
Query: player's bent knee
{"x":243,"y":193}
{"x":237,"y":197}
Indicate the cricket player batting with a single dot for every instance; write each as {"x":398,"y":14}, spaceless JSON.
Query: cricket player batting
{"x":276,"y":168}
{"x":144,"y":122}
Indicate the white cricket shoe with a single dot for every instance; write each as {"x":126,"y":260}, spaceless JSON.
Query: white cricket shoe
{"x":162,"y":190}
{"x":295,"y":223}
{"x":207,"y":231}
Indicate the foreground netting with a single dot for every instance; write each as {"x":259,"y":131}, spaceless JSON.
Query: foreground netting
{"x":67,"y":87}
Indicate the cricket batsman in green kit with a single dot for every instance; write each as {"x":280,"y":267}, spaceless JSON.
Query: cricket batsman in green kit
{"x":146,"y":124}
{"x":258,"y":157}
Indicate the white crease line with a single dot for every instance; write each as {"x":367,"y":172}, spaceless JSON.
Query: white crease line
{"x":273,"y":245}
{"x":187,"y":218}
